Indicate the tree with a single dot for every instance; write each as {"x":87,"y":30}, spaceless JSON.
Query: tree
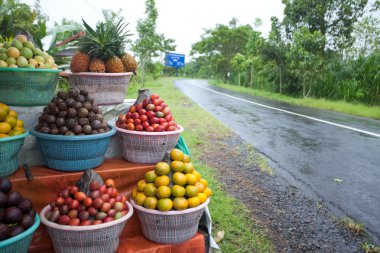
{"x":149,"y":43}
{"x":239,"y":64}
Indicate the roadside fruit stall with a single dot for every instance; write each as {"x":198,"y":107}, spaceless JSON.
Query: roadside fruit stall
{"x":150,"y":199}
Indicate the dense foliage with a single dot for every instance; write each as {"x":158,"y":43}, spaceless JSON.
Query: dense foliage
{"x":323,"y":49}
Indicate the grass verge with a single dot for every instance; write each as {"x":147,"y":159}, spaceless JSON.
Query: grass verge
{"x":228,"y":214}
{"x":338,"y":106}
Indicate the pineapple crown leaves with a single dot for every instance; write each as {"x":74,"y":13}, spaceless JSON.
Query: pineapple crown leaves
{"x":106,"y":41}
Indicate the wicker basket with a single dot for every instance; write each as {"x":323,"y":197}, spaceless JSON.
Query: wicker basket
{"x":147,"y":147}
{"x":106,"y":88}
{"x":27,"y":87}
{"x":73,"y":153}
{"x":21,"y":242}
{"x":102,"y":238}
{"x":170,"y":227}
{"x":9,"y":149}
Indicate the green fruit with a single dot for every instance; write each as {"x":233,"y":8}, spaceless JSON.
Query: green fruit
{"x":37,"y":51}
{"x":3,"y":56}
{"x":29,"y":66}
{"x":48,"y":66}
{"x":29,"y":45}
{"x":21,"y":38}
{"x":17,"y":44}
{"x":7,"y":45}
{"x":3,"y":64}
{"x":11,"y":61}
{"x":3,"y":50}
{"x":1,"y":45}
{"x":13,"y":52}
{"x":13,"y":66}
{"x":45,"y":55}
{"x":33,"y":62}
{"x":22,"y":62}
{"x":27,"y":53}
{"x":39,"y":58}
{"x":41,"y":65}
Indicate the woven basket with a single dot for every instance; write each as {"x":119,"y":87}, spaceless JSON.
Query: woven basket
{"x":102,"y":238}
{"x":9,"y":148}
{"x":27,"y":87}
{"x":147,"y":147}
{"x":106,"y":88}
{"x":21,"y":242}
{"x":73,"y":153}
{"x":170,"y":227}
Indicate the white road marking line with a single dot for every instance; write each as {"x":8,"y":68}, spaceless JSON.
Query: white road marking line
{"x":293,"y":113}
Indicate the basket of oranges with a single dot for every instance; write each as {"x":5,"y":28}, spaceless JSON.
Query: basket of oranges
{"x":171,"y":200}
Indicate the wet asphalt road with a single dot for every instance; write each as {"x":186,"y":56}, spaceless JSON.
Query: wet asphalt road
{"x":308,"y":153}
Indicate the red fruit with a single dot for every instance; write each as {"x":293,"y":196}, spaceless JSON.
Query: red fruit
{"x":68,"y":200}
{"x":145,"y":102}
{"x":169,"y":117}
{"x":87,"y":202}
{"x":145,"y":124}
{"x":112,"y":201}
{"x":130,"y":121}
{"x":163,"y":105}
{"x":98,"y":202}
{"x":96,"y":222}
{"x":105,"y":207}
{"x":171,"y":128}
{"x":172,"y":123}
{"x":154,"y":120}
{"x":80,"y":196}
{"x":128,"y":115}
{"x":132,"y":109}
{"x":109,"y":191}
{"x":84,"y":215}
{"x":63,"y":219}
{"x":158,"y":108}
{"x":159,"y":129}
{"x":109,"y":183}
{"x":108,"y":219}
{"x":111,"y":213}
{"x":165,"y":125}
{"x":114,"y":192}
{"x":105,"y":197}
{"x":74,"y":222}
{"x":81,"y":208}
{"x":118,"y":198}
{"x":85,"y":223}
{"x":143,"y":118}
{"x":122,"y":118}
{"x":139,"y":106}
{"x":154,"y":96}
{"x":92,"y":211}
{"x":159,"y":115}
{"x":73,"y":190}
{"x":59,"y":201}
{"x":65,"y":193}
{"x":94,"y":185}
{"x":150,"y":107}
{"x":124,"y":126}
{"x":95,"y":194}
{"x":137,"y":122}
{"x":166,"y":111}
{"x":135,"y":115}
{"x":131,"y":126}
{"x":124,"y":199}
{"x":139,"y":128}
{"x":124,"y":212}
{"x":73,"y":214}
{"x":162,"y":120}
{"x":119,"y":206}
{"x":142,"y":112}
{"x":149,"y":129}
{"x":157,"y":102}
{"x":64,"y":209}
{"x":150,"y":114}
{"x":125,"y":207}
{"x":74,"y":204}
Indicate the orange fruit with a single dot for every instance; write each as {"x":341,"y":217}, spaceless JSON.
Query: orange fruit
{"x":191,"y":191}
{"x":163,"y":192}
{"x":12,"y":121}
{"x":164,"y":204}
{"x":207,"y":191}
{"x":3,"y":114}
{"x":176,"y":154}
{"x":189,"y":168}
{"x":109,"y":182}
{"x":5,"y":107}
{"x":4,"y":136}
{"x":186,"y":158}
{"x":177,"y":166}
{"x":150,"y":189}
{"x":200,"y":186}
{"x":162,"y":180}
{"x":13,"y":114}
{"x":140,"y":198}
{"x":202,"y":197}
{"x":178,"y":191}
{"x":140,"y":185}
{"x":198,"y":175}
{"x":180,"y":203}
{"x":150,"y":202}
{"x":150,"y":176}
{"x":204,"y":182}
{"x":5,"y":128}
{"x":194,"y":202}
{"x":179,"y":178}
{"x":191,"y":178}
{"x":134,"y":193}
{"x":162,"y":168}
{"x":20,"y":123}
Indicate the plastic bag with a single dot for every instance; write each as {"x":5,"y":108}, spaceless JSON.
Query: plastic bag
{"x":142,"y":94}
{"x":85,"y":180}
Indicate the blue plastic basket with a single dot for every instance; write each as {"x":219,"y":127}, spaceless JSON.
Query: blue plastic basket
{"x":9,"y":148}
{"x":73,"y":153}
{"x":20,"y":243}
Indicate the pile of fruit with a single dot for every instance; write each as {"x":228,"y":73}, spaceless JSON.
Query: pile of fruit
{"x":152,"y":115}
{"x":176,"y":186}
{"x":72,"y":113}
{"x":10,"y":125}
{"x":16,"y":213}
{"x":102,"y":50}
{"x":21,"y":53}
{"x":74,"y":208}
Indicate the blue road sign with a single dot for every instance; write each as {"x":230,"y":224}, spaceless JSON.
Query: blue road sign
{"x":175,"y":60}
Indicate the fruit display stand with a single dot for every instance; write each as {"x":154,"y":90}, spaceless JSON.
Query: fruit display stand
{"x":46,"y":183}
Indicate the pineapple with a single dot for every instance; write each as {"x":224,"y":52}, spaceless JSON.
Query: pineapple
{"x":97,"y":65}
{"x":129,"y":62}
{"x":80,"y":62}
{"x":114,"y":65}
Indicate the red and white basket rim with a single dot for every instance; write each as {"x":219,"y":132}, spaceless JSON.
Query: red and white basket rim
{"x":82,"y":228}
{"x":150,"y":133}
{"x":99,"y":74}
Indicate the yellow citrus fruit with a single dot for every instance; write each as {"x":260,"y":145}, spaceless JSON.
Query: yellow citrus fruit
{"x":191,"y":191}
{"x":150,"y":202}
{"x":163,"y":192}
{"x":194,"y":202}
{"x":186,"y":158}
{"x":164,"y":204}
{"x":204,"y":182}
{"x":178,"y":191}
{"x":150,"y":189}
{"x":207,"y":191}
{"x":198,"y":175}
{"x":134,"y":193}
{"x":12,"y":121}
{"x":5,"y":128}
{"x":162,"y":180}
{"x":176,"y":154}
{"x":180,"y":203}
{"x":150,"y":176}
{"x":200,"y":186}
{"x":3,"y":114}
{"x":189,"y":168}
{"x":13,"y":114}
{"x":162,"y":168}
{"x":15,"y":132}
{"x":191,"y":178}
{"x":140,"y":185}
{"x":19,"y":129}
{"x":5,"y":107}
{"x":179,"y":178}
{"x":20,"y":123}
{"x":202,"y":197}
{"x":177,"y":166}
{"x":4,"y":136}
{"x":140,"y":198}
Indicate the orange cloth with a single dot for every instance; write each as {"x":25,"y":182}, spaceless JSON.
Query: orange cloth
{"x":47,"y":183}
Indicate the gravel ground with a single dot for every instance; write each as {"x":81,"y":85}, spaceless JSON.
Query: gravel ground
{"x":295,"y":222}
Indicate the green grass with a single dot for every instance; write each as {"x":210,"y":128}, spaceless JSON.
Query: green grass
{"x":228,"y":214}
{"x":352,"y":225}
{"x":338,"y":106}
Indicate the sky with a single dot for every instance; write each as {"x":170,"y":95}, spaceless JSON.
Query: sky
{"x":182,"y":20}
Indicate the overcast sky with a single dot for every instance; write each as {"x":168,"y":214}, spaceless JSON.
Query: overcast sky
{"x":182,"y":20}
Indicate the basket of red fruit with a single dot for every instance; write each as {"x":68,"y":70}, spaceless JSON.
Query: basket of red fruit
{"x":147,"y":131}
{"x":87,"y":223}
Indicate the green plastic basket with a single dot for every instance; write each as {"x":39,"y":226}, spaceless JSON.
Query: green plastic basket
{"x":27,"y":87}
